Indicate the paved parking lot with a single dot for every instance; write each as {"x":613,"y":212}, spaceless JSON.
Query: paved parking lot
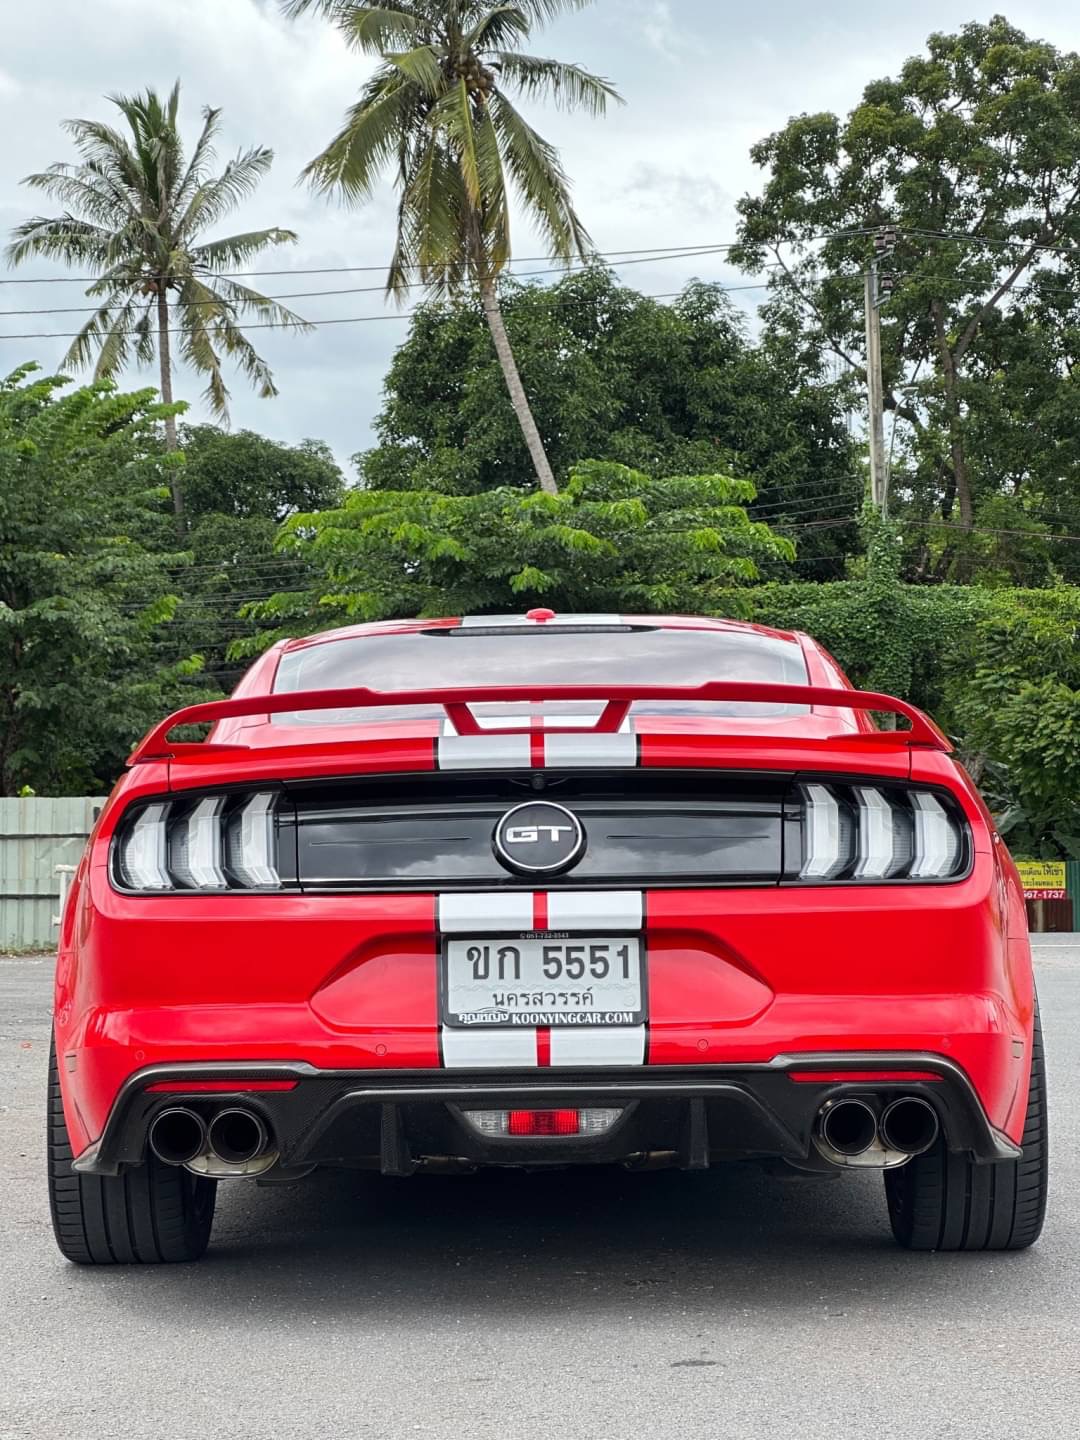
{"x":502,"y":1307}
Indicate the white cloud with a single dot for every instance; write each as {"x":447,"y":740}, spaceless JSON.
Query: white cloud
{"x":703,"y":79}
{"x":658,"y":30}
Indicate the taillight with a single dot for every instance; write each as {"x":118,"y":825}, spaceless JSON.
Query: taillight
{"x":144,"y":854}
{"x":862,"y":832}
{"x":216,"y":842}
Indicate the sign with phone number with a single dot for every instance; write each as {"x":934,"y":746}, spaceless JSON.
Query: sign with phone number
{"x":1043,"y":879}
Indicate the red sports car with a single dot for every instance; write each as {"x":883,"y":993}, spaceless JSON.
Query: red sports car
{"x":544,"y":890}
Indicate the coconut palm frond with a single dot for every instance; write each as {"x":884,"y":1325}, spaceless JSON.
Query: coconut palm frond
{"x":569,"y":86}
{"x":136,"y":213}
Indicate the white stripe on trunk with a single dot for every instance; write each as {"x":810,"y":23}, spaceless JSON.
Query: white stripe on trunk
{"x":620,"y":1045}
{"x":575,"y":752}
{"x":485,"y":912}
{"x":595,"y":910}
{"x":481,"y":1049}
{"x":484,"y":752}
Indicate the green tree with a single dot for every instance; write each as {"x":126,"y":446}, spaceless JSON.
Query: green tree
{"x":998,"y":668}
{"x":611,"y":540}
{"x":250,"y":476}
{"x":136,"y":211}
{"x":439,"y":109}
{"x":85,"y":582}
{"x":667,"y":389}
{"x":973,"y":152}
{"x":238,"y":488}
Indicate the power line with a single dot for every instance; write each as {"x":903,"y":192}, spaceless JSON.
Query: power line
{"x":984,"y":530}
{"x":705,"y":247}
{"x":572,"y":269}
{"x":344,"y":319}
{"x":962,"y":237}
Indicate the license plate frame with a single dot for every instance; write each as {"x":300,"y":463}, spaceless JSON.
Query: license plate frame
{"x":542,"y":1016}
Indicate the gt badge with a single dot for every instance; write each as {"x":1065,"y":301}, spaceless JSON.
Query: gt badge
{"x":539,"y":838}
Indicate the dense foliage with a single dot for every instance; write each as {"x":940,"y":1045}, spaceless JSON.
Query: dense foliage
{"x":998,"y":668}
{"x":669,"y":389}
{"x":239,"y":487}
{"x":973,"y":153}
{"x":612,"y":539}
{"x":85,"y":582}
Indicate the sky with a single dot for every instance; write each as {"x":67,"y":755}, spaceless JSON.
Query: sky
{"x":703,"y":80}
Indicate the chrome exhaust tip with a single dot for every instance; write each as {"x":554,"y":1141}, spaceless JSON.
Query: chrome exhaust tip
{"x":909,"y":1124}
{"x":237,"y":1136}
{"x":177,"y":1135}
{"x":849,"y":1127}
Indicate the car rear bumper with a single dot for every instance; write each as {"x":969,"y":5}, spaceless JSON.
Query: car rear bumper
{"x":345,"y":989}
{"x":401,"y":1121}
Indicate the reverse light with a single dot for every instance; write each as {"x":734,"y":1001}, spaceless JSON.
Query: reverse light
{"x":880,"y":832}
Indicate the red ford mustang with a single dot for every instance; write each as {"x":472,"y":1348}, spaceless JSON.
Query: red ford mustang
{"x":544,"y":890}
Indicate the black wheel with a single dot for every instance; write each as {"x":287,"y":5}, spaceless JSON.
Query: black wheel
{"x":155,"y":1215}
{"x":940,"y":1201}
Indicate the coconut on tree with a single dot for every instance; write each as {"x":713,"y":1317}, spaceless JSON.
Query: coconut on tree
{"x":136,"y":213}
{"x":440,"y":109}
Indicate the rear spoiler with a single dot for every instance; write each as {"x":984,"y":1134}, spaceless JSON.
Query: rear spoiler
{"x":457,"y":700}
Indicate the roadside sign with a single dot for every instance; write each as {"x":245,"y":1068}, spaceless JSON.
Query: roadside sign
{"x":1043,"y":879}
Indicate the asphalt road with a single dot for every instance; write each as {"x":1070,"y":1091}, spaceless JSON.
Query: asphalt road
{"x":503,"y":1307}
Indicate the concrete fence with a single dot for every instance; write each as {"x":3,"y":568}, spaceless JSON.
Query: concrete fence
{"x":37,"y":836}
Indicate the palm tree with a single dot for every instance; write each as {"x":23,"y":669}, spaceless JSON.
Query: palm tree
{"x":438,"y":109}
{"x":135,"y":213}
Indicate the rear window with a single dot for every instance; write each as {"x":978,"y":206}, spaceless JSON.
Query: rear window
{"x":467,"y":656}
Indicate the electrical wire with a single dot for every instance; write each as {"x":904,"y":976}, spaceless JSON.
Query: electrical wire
{"x":344,"y":319}
{"x":564,"y":270}
{"x":704,"y":246}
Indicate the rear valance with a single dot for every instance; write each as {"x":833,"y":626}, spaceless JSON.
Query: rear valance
{"x":617,"y":700}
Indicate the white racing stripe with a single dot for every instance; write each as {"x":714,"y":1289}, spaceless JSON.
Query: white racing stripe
{"x":488,"y":912}
{"x":484,"y":912}
{"x":481,"y":1049}
{"x":513,"y":752}
{"x":484,"y":752}
{"x":620,"y":1045}
{"x":595,"y":910}
{"x":576,"y":752}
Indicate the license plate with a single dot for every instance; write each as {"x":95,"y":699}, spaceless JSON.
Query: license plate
{"x":543,"y":979}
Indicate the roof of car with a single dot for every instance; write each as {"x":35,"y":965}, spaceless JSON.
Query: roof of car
{"x":538,"y":619}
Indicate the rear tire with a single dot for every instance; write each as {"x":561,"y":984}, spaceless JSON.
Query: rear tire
{"x":153,"y":1215}
{"x":942,"y":1201}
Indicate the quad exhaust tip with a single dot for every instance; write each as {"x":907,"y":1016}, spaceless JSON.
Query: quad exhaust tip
{"x":909,"y":1124}
{"x":237,"y":1136}
{"x":177,"y":1135}
{"x":849,"y":1127}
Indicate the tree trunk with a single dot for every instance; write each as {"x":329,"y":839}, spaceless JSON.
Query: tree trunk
{"x":961,"y":486}
{"x":518,"y":398}
{"x":165,"y":360}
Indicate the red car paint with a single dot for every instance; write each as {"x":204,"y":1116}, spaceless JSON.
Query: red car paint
{"x":348,"y":981}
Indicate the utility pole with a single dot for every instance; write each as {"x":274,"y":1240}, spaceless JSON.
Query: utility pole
{"x":878,"y":287}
